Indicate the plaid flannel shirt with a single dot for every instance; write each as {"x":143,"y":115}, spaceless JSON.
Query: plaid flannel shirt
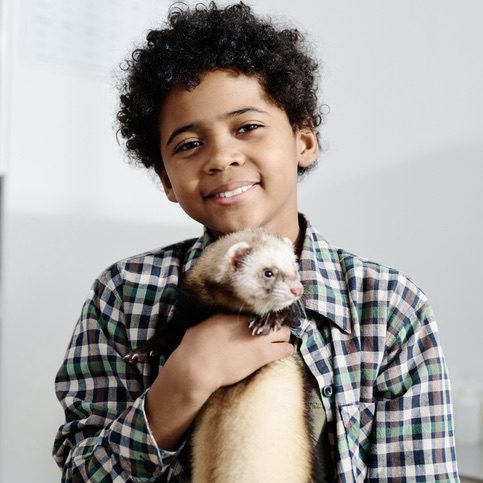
{"x":370,"y":339}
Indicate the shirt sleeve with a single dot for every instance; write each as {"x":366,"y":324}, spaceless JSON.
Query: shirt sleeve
{"x":412,"y":433}
{"x":106,"y":436}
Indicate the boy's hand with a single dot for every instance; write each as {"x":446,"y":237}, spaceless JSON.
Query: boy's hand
{"x":222,"y":350}
{"x":217,"y":352}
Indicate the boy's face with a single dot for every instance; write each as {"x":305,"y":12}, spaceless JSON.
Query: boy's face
{"x":231,"y":155}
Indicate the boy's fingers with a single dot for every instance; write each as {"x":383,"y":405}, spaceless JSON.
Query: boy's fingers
{"x":281,"y":335}
{"x":281,"y":350}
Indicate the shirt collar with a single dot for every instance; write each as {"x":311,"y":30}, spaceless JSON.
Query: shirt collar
{"x":325,"y":291}
{"x":196,"y":249}
{"x":320,"y":271}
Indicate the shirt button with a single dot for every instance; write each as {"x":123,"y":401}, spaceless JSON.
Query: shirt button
{"x":327,"y":391}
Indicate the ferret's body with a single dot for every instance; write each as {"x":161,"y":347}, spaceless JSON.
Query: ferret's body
{"x":255,"y":430}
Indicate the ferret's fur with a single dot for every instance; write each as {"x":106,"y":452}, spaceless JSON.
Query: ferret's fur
{"x":256,"y":430}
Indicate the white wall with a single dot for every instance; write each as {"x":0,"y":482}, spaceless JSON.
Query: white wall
{"x":400,"y":181}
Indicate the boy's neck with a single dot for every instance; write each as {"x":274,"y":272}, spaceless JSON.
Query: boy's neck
{"x":299,"y":242}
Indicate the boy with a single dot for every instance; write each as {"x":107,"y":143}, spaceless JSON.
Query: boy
{"x":223,"y":106}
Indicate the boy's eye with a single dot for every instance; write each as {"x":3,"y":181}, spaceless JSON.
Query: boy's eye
{"x":249,"y":127}
{"x":187,"y":146}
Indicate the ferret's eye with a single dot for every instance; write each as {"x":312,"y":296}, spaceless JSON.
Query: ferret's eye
{"x":268,"y":274}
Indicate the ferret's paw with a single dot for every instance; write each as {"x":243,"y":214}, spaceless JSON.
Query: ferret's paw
{"x":141,"y":355}
{"x":277,"y":320}
{"x":263,"y":326}
{"x":259,"y":326}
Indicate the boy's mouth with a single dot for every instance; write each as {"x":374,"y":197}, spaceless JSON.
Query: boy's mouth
{"x":230,"y":190}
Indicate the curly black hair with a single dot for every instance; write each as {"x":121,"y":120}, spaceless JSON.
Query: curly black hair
{"x":204,"y":38}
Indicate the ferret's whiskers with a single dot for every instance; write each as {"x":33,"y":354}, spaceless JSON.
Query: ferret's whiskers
{"x":240,"y":310}
{"x":301,"y":308}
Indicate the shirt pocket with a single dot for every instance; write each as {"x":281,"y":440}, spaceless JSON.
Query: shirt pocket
{"x":357,"y":420}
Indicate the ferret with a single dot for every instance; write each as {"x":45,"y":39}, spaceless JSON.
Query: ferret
{"x":256,"y":430}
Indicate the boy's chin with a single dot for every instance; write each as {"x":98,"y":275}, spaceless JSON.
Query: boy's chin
{"x":223,"y":227}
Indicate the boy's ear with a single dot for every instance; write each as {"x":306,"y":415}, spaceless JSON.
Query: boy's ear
{"x":168,"y":188}
{"x":308,"y":147}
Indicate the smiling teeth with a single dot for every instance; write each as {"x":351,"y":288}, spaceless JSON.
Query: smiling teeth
{"x":229,"y":194}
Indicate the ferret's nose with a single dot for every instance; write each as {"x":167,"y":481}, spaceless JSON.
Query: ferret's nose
{"x":298,"y":290}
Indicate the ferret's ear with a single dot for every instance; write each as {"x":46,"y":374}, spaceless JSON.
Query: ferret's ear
{"x":235,"y":255}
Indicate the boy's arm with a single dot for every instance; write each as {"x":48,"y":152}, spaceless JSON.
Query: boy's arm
{"x":413,"y":435}
{"x":105,"y":435}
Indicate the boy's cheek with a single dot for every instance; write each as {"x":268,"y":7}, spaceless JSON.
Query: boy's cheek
{"x":168,"y":187}
{"x":171,"y":196}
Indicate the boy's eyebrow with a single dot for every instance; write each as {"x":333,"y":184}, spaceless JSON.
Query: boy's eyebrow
{"x":180,"y":130}
{"x":245,"y":109}
{"x":195,"y":125}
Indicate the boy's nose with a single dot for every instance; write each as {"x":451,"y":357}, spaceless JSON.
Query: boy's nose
{"x":220,"y":159}
{"x":220,"y":164}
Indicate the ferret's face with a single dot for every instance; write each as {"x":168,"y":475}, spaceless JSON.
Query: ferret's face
{"x":231,"y":155}
{"x":268,"y":279}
